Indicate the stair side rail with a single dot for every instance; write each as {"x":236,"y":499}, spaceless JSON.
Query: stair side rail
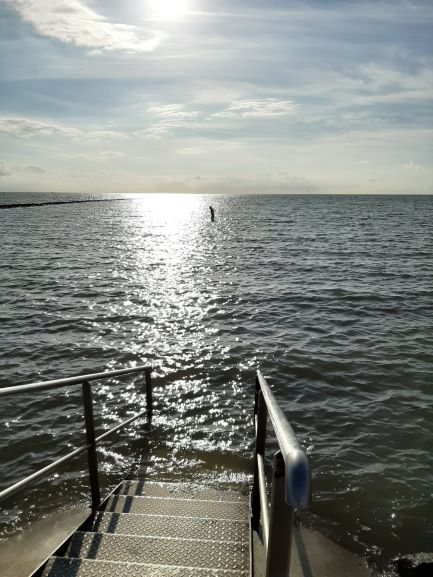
{"x":291,"y":481}
{"x":92,"y":440}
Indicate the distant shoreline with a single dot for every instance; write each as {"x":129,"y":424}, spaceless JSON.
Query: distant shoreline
{"x":29,"y":204}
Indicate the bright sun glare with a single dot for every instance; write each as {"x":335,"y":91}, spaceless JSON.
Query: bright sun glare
{"x":168,"y":9}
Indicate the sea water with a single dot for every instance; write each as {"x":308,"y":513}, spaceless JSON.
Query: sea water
{"x":331,"y":296}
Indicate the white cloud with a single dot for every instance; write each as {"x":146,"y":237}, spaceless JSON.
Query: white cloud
{"x":210,"y":147}
{"x":101,"y":135}
{"x":4,"y":171}
{"x":191,"y":150}
{"x":166,"y":118}
{"x":112,"y":154}
{"x":411,"y":165}
{"x":34,"y":170}
{"x":172,"y":112}
{"x":264,"y":108}
{"x":28,"y":128}
{"x":25,"y":128}
{"x":72,"y":22}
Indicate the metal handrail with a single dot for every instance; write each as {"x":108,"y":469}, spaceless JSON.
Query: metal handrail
{"x":298,"y":486}
{"x":77,"y":380}
{"x":92,"y":440}
{"x":291,"y":481}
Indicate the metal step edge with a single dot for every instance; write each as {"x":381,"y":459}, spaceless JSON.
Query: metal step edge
{"x":73,"y":562}
{"x":127,"y":501}
{"x":103,"y":512}
{"x":170,"y":526}
{"x":173,"y":484}
{"x":159,"y":538}
{"x":246,"y":520}
{"x":161,"y":551}
{"x":178,"y":499}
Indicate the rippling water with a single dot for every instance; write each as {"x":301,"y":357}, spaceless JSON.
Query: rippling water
{"x":331,"y":296}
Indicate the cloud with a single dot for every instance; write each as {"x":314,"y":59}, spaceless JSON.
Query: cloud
{"x":101,"y":135}
{"x":166,"y":118}
{"x":72,"y":22}
{"x":4,"y":171}
{"x":34,"y":170}
{"x":172,"y":112}
{"x":264,"y":108}
{"x":26,"y":128}
{"x":210,"y":147}
{"x":108,"y":154}
{"x":411,"y":165}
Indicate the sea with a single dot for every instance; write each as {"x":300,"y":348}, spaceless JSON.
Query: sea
{"x":330,"y":296}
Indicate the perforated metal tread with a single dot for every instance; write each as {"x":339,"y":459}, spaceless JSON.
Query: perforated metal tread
{"x":177,"y":507}
{"x":160,"y":551}
{"x":66,"y":567}
{"x":165,"y":526}
{"x":180,"y":491}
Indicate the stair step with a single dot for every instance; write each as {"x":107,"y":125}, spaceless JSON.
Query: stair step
{"x":180,"y":491}
{"x":160,"y":551}
{"x":167,"y":526}
{"x":177,"y":507}
{"x":69,"y":567}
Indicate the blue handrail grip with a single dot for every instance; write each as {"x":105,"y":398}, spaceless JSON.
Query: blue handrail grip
{"x":298,"y":481}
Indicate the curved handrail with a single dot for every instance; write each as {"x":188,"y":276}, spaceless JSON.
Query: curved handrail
{"x":298,"y":477}
{"x":57,"y":383}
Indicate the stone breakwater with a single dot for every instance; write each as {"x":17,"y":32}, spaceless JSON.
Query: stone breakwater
{"x":28,"y":204}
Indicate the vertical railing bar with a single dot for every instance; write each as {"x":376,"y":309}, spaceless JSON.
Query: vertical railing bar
{"x":256,"y":395}
{"x":264,"y":504}
{"x":262,"y":416}
{"x":281,"y":524}
{"x":149,"y":393}
{"x":91,"y":441}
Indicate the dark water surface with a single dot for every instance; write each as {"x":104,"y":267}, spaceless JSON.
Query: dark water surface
{"x":331,"y":296}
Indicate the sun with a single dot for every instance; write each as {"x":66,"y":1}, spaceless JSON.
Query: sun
{"x":168,"y":9}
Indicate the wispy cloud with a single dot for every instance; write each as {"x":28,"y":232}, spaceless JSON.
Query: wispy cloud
{"x":34,"y":170}
{"x":29,"y":128}
{"x":104,"y":135}
{"x":72,"y":22}
{"x":4,"y":170}
{"x":26,"y":128}
{"x":171,"y":112}
{"x":264,"y":108}
{"x":411,"y":165}
{"x":164,"y":118}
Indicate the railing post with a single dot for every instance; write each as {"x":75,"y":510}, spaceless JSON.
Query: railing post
{"x":256,"y":395}
{"x":91,"y":451}
{"x":149,"y":391}
{"x":260,"y":424}
{"x":281,"y":524}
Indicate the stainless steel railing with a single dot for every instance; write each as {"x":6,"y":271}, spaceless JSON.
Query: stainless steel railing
{"x":92,"y":440}
{"x":291,"y":484}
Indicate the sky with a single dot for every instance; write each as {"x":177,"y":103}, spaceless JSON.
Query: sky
{"x":216,"y":96}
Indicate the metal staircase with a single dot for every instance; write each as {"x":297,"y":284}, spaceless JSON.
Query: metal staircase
{"x":161,"y":530}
